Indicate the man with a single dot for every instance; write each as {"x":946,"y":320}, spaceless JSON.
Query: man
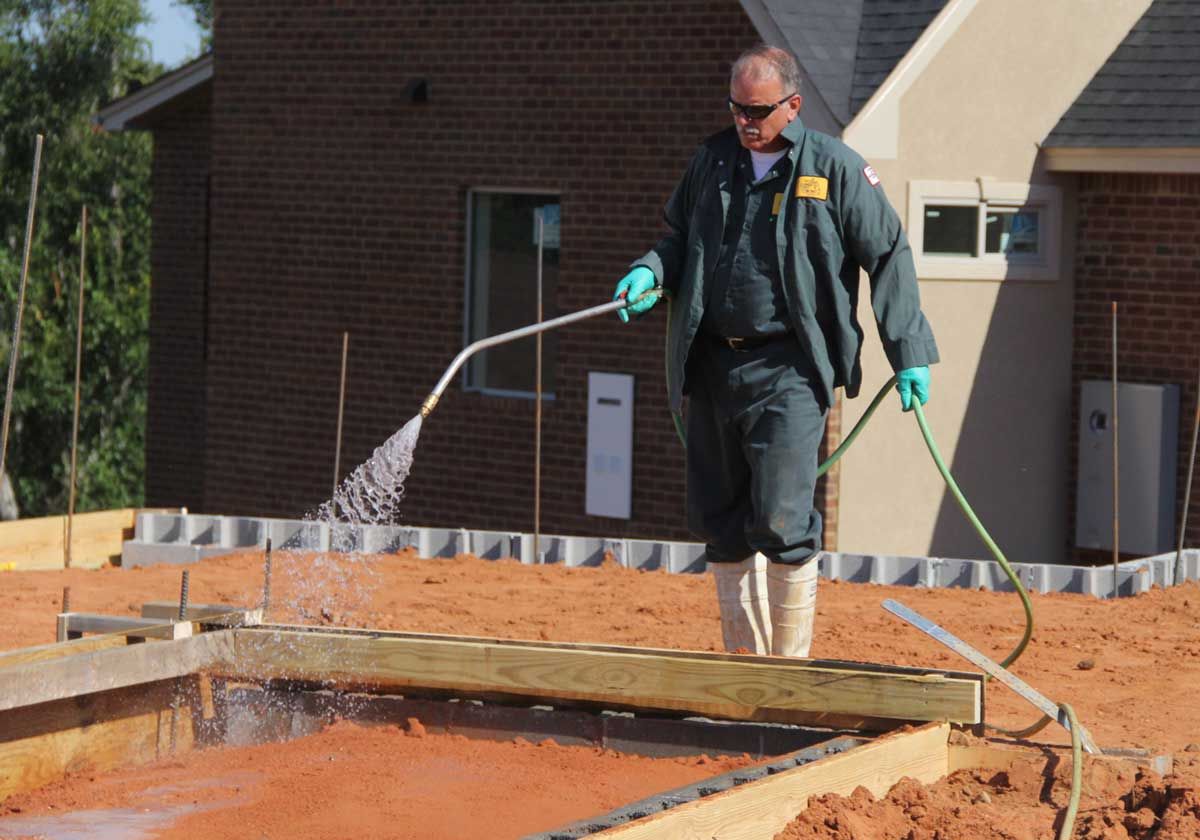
{"x":768,"y":231}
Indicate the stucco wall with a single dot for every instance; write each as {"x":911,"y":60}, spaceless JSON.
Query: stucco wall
{"x":978,"y":106}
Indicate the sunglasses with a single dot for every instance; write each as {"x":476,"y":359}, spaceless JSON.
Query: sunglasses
{"x":756,"y":112}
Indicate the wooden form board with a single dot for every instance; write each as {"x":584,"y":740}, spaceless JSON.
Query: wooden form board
{"x":40,"y":744}
{"x":761,"y":809}
{"x":96,"y":538}
{"x":24,"y":684}
{"x":735,"y":688}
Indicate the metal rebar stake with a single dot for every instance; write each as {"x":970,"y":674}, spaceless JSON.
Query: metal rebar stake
{"x":266,"y":598}
{"x":537,"y":410}
{"x":78,"y":373}
{"x":1116,"y":524}
{"x":16,"y":345}
{"x":183,"y":595}
{"x":1187,"y":491}
{"x":337,"y":457}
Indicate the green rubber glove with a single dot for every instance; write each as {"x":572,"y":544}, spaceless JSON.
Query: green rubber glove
{"x":632,"y":286}
{"x":910,"y":381}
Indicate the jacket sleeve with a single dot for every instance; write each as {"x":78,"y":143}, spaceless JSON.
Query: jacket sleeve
{"x":666,"y":259}
{"x":876,"y":241}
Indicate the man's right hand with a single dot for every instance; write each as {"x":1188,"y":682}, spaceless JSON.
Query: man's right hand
{"x":632,"y":287}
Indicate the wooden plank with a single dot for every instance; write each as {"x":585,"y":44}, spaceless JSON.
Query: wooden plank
{"x":669,"y":653}
{"x":104,"y":670}
{"x":761,"y":688}
{"x":992,"y":755}
{"x":761,"y":809}
{"x":222,"y":615}
{"x":41,"y":744}
{"x":58,"y":650}
{"x":143,"y":628}
{"x":37,"y":543}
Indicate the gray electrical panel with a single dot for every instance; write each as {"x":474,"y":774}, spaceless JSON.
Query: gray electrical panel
{"x":609,"y":490}
{"x":1148,"y":418}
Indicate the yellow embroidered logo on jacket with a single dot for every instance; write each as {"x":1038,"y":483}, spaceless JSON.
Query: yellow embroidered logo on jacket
{"x":812,"y":186}
{"x":776,"y":204}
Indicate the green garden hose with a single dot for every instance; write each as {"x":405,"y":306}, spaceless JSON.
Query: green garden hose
{"x":1076,"y":746}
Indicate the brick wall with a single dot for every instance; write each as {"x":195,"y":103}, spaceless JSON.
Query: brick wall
{"x":175,"y":414}
{"x":338,"y":205}
{"x":1139,"y":245}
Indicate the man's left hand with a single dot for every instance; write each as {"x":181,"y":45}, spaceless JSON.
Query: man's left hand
{"x":910,"y":382}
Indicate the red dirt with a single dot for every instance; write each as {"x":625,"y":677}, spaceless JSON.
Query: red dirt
{"x":376,"y":782}
{"x":1016,"y":804}
{"x":1130,"y":667}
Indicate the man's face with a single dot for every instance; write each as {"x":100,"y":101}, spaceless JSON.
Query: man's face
{"x":762,"y":135}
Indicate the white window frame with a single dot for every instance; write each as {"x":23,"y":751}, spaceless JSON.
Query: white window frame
{"x":468,"y":313}
{"x":986,"y":193}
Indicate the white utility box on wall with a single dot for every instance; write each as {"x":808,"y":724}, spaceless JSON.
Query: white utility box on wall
{"x":610,"y":445}
{"x":1149,"y":430}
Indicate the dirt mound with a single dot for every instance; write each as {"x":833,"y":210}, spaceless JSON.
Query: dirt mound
{"x":1021,"y":803}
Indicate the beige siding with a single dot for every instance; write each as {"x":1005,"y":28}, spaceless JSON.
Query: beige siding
{"x":1000,"y":407}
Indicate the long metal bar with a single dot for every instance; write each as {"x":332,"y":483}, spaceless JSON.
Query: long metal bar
{"x":337,"y":452}
{"x":524,"y":332}
{"x":78,"y":378}
{"x":16,"y":346}
{"x":537,"y":410}
{"x":1187,"y":490}
{"x":1116,"y":463}
{"x":940,"y":634}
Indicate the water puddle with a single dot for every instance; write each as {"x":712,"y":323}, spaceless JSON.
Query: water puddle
{"x":141,"y":821}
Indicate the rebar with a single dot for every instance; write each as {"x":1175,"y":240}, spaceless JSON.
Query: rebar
{"x":16,"y":346}
{"x":537,"y":409}
{"x":266,"y":596}
{"x":78,"y":372}
{"x":1187,"y":490}
{"x":337,"y":456}
{"x":183,"y":596}
{"x":1116,"y":439}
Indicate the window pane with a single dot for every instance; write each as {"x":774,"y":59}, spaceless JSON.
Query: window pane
{"x":503,"y":287}
{"x":1011,"y":231}
{"x":951,"y":231}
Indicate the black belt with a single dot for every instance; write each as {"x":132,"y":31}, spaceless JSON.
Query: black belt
{"x":752,"y":342}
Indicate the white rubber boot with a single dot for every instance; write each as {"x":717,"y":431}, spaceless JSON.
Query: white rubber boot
{"x":792,"y":592}
{"x":742,"y":598}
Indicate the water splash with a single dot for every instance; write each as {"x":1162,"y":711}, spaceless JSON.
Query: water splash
{"x":371,"y":495}
{"x":330,"y":587}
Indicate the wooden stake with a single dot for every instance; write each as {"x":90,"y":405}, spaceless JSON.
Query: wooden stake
{"x":537,"y":410}
{"x":1187,"y":491}
{"x":16,"y":346}
{"x":1116,"y":522}
{"x":337,"y":457}
{"x":78,"y":372}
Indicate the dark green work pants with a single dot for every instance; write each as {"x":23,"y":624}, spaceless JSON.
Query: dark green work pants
{"x":755,"y":422}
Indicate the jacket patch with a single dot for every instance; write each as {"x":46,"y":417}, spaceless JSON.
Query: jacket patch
{"x":873,"y":178}
{"x":776,"y":204}
{"x":812,"y":186}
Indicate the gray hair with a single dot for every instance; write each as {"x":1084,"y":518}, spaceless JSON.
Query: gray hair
{"x":763,"y":60}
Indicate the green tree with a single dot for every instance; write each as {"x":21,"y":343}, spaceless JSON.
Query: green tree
{"x":60,"y":60}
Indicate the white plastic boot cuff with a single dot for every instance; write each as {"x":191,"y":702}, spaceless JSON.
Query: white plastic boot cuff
{"x":792,"y":592}
{"x":742,"y":599}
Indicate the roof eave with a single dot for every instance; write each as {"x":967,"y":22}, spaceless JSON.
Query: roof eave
{"x":1164,"y":160}
{"x":119,"y":115}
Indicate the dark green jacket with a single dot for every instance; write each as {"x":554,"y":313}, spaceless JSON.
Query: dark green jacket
{"x":821,"y":242}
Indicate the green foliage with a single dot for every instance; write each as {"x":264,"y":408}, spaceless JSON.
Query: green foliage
{"x":60,"y":60}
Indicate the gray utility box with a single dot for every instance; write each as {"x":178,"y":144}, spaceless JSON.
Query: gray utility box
{"x":1149,"y":430}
